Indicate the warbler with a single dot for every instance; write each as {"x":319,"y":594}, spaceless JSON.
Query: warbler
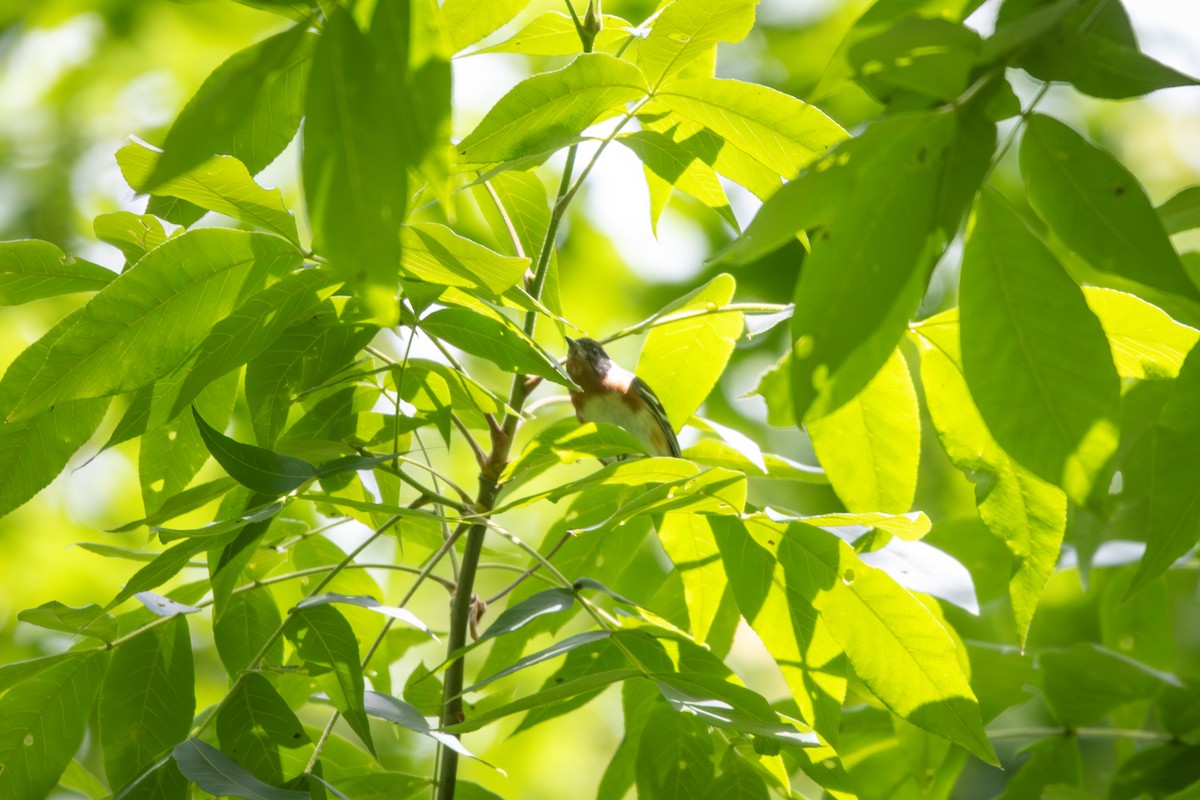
{"x":613,"y":394}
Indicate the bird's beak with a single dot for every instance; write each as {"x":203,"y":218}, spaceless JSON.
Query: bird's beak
{"x":572,"y":345}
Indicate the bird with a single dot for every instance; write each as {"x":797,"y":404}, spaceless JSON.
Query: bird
{"x":613,"y":394}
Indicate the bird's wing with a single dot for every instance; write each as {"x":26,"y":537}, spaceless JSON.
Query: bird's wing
{"x":646,"y":393}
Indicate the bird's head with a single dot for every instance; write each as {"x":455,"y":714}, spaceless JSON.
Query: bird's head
{"x":586,"y":358}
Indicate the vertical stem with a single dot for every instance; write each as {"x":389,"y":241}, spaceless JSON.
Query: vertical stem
{"x":489,"y":474}
{"x":489,"y":488}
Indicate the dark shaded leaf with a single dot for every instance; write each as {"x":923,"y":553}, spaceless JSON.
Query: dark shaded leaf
{"x":1034,"y":355}
{"x":218,"y":774}
{"x":550,"y":601}
{"x":1098,"y":208}
{"x":256,"y":468}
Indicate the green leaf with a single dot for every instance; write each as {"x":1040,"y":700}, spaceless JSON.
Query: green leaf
{"x":688,"y":30}
{"x":565,"y":442}
{"x":159,"y":311}
{"x":495,"y":339}
{"x":871,"y":259}
{"x":553,"y":34}
{"x":684,"y":165}
{"x":550,"y":601}
{"x":1146,"y":343}
{"x":218,"y":774}
{"x":1173,"y":522}
{"x":1085,"y":682}
{"x":355,"y":162}
{"x":545,"y":112}
{"x":187,"y":500}
{"x":739,"y":781}
{"x":895,"y":644}
{"x":87,"y":621}
{"x":305,"y":355}
{"x":1026,"y":513}
{"x":79,"y":779}
{"x":600,"y":656}
{"x":147,"y":701}
{"x":1182,"y":211}
{"x":683,"y":360}
{"x":870,"y":447}
{"x":325,"y":643}
{"x":167,"y":565}
{"x":880,"y":17}
{"x":553,"y":651}
{"x":928,"y":57}
{"x":362,"y":601}
{"x":248,"y":108}
{"x":775,"y":129}
{"x":1034,"y":356}
{"x":250,"y":330}
{"x":436,"y":254}
{"x":1098,"y":208}
{"x":174,"y":210}
{"x":689,"y":543}
{"x":720,"y":454}
{"x":516,"y":204}
{"x":172,"y":449}
{"x":18,"y":671}
{"x":468,"y":21}
{"x":423,"y":691}
{"x":734,"y":163}
{"x":255,"y":468}
{"x":675,"y":757}
{"x":253,"y":723}
{"x":222,"y":184}
{"x":1051,"y":760}
{"x":546,"y":697}
{"x":1094,"y":49}
{"x":1169,"y":770}
{"x":412,"y":51}
{"x":727,"y":705}
{"x":395,"y":710}
{"x":811,"y":661}
{"x":42,"y":722}
{"x":133,"y":234}
{"x":386,"y":786}
{"x":243,"y":626}
{"x":409,"y":716}
{"x":31,"y":270}
{"x":910,"y":527}
{"x":33,"y":452}
{"x":217,"y":530}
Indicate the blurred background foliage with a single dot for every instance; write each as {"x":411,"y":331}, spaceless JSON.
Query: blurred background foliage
{"x":77,"y":77}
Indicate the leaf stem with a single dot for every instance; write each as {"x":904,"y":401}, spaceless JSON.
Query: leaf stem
{"x":1042,"y":732}
{"x":425,"y":572}
{"x":667,"y":319}
{"x":503,"y":436}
